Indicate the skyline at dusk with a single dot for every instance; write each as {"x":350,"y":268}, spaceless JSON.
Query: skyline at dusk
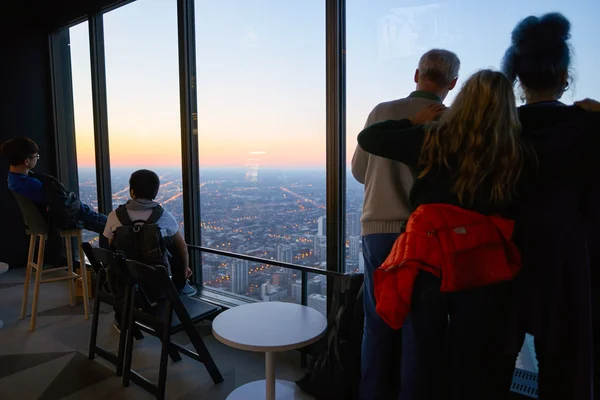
{"x":261,"y":75}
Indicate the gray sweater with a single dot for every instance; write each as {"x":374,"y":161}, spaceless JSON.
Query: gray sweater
{"x":387,"y":183}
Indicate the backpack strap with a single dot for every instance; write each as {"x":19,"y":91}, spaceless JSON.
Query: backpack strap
{"x":123,"y":216}
{"x":157,"y":212}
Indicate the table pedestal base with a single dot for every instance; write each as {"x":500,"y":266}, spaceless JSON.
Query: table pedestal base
{"x":284,"y":390}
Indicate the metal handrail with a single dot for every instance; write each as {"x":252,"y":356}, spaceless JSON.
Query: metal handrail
{"x":265,"y":261}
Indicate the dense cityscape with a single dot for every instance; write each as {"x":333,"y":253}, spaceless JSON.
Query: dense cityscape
{"x":267,"y":213}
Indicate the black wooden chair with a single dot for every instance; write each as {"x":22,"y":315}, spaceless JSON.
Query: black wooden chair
{"x":162,"y":314}
{"x":103,"y":260}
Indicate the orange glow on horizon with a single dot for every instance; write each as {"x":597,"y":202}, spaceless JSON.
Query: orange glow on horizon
{"x":154,"y":150}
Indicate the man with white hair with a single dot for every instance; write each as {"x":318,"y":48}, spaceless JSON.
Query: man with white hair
{"x":386,"y":208}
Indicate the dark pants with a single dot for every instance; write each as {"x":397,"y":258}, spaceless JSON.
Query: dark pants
{"x":94,"y":222}
{"x":458,"y":339}
{"x":91,"y":221}
{"x":387,"y":357}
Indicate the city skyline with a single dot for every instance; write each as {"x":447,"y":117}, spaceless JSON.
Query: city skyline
{"x":274,"y":215}
{"x":261,"y":75}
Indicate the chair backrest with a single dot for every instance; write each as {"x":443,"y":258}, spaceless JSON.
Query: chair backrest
{"x":101,"y":260}
{"x":154,"y":284}
{"x":35,"y":222}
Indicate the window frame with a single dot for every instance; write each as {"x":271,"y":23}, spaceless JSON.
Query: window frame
{"x":335,"y":37}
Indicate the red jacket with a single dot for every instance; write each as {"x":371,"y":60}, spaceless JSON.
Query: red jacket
{"x":466,"y":249}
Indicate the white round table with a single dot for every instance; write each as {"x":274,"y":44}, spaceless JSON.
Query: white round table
{"x":3,"y":269}
{"x":269,"y":327}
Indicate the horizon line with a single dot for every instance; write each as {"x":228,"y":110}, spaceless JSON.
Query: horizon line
{"x":212,"y":166}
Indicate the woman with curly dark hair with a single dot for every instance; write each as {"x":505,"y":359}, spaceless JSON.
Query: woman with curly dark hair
{"x":557,"y":213}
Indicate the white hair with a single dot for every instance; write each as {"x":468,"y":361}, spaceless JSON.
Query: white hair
{"x":439,"y":66}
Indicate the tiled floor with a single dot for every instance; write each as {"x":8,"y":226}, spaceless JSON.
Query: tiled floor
{"x":51,"y":363}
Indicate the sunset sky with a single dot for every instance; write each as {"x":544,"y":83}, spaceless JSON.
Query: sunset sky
{"x":261,"y":71}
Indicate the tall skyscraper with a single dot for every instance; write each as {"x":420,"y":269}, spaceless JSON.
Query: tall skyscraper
{"x":318,"y":302}
{"x":320,"y":248}
{"x":354,"y":247}
{"x":314,"y":285}
{"x":284,"y":253}
{"x":239,"y":276}
{"x":280,"y":279}
{"x":207,"y":272}
{"x":361,"y":263}
{"x":297,"y":291}
{"x":269,"y":292}
{"x":322,"y":226}
{"x":353,"y":224}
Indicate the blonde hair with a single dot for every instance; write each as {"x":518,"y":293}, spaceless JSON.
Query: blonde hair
{"x":478,"y":139}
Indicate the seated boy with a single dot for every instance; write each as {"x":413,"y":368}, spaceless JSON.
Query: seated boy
{"x":143,"y":189}
{"x":64,"y":209}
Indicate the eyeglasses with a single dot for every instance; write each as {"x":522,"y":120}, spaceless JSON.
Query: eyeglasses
{"x":36,"y":156}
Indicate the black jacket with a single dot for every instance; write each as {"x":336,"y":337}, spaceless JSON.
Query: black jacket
{"x":63,"y":205}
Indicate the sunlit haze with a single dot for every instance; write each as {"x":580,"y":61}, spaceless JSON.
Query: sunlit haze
{"x":261,"y":71}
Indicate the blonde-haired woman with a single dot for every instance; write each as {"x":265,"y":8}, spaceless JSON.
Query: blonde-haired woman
{"x":451,"y":267}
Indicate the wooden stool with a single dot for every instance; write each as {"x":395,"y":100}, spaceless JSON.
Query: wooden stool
{"x":37,"y":229}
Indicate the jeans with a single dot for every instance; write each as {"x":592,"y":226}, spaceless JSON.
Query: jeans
{"x":387,"y":356}
{"x":457,"y":339}
{"x":93,"y":221}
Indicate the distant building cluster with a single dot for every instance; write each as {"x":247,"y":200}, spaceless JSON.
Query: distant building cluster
{"x":269,"y":215}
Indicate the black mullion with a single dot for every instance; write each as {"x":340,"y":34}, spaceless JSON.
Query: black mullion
{"x":100,"y":109}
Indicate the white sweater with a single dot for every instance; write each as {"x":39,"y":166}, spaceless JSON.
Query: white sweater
{"x":387,"y":183}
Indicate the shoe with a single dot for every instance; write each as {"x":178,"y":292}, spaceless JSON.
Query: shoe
{"x":116,"y":325}
{"x":188,"y":290}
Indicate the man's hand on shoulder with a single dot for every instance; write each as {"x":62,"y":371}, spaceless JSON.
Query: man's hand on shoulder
{"x":588,"y":104}
{"x":428,"y":114}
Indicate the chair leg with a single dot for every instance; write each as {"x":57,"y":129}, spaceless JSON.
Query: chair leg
{"x":137,"y":334}
{"x":164,"y":353}
{"x":174,"y":354}
{"x":70,"y":270}
{"x":204,"y":354}
{"x":84,"y":280}
{"x":124,"y":334}
{"x":32,"y":243}
{"x":95,"y":318}
{"x":129,"y":344}
{"x":38,"y":280}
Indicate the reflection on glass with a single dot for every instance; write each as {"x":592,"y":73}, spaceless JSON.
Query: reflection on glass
{"x":386,"y":38}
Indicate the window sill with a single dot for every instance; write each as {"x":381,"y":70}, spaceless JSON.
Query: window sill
{"x":219,"y":298}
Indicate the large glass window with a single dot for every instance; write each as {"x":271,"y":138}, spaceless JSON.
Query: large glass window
{"x":84,"y":119}
{"x":261,"y":124}
{"x":386,"y":38}
{"x":142,"y":79}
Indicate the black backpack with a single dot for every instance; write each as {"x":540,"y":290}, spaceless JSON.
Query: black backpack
{"x":141,"y":240}
{"x":334,"y":372}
